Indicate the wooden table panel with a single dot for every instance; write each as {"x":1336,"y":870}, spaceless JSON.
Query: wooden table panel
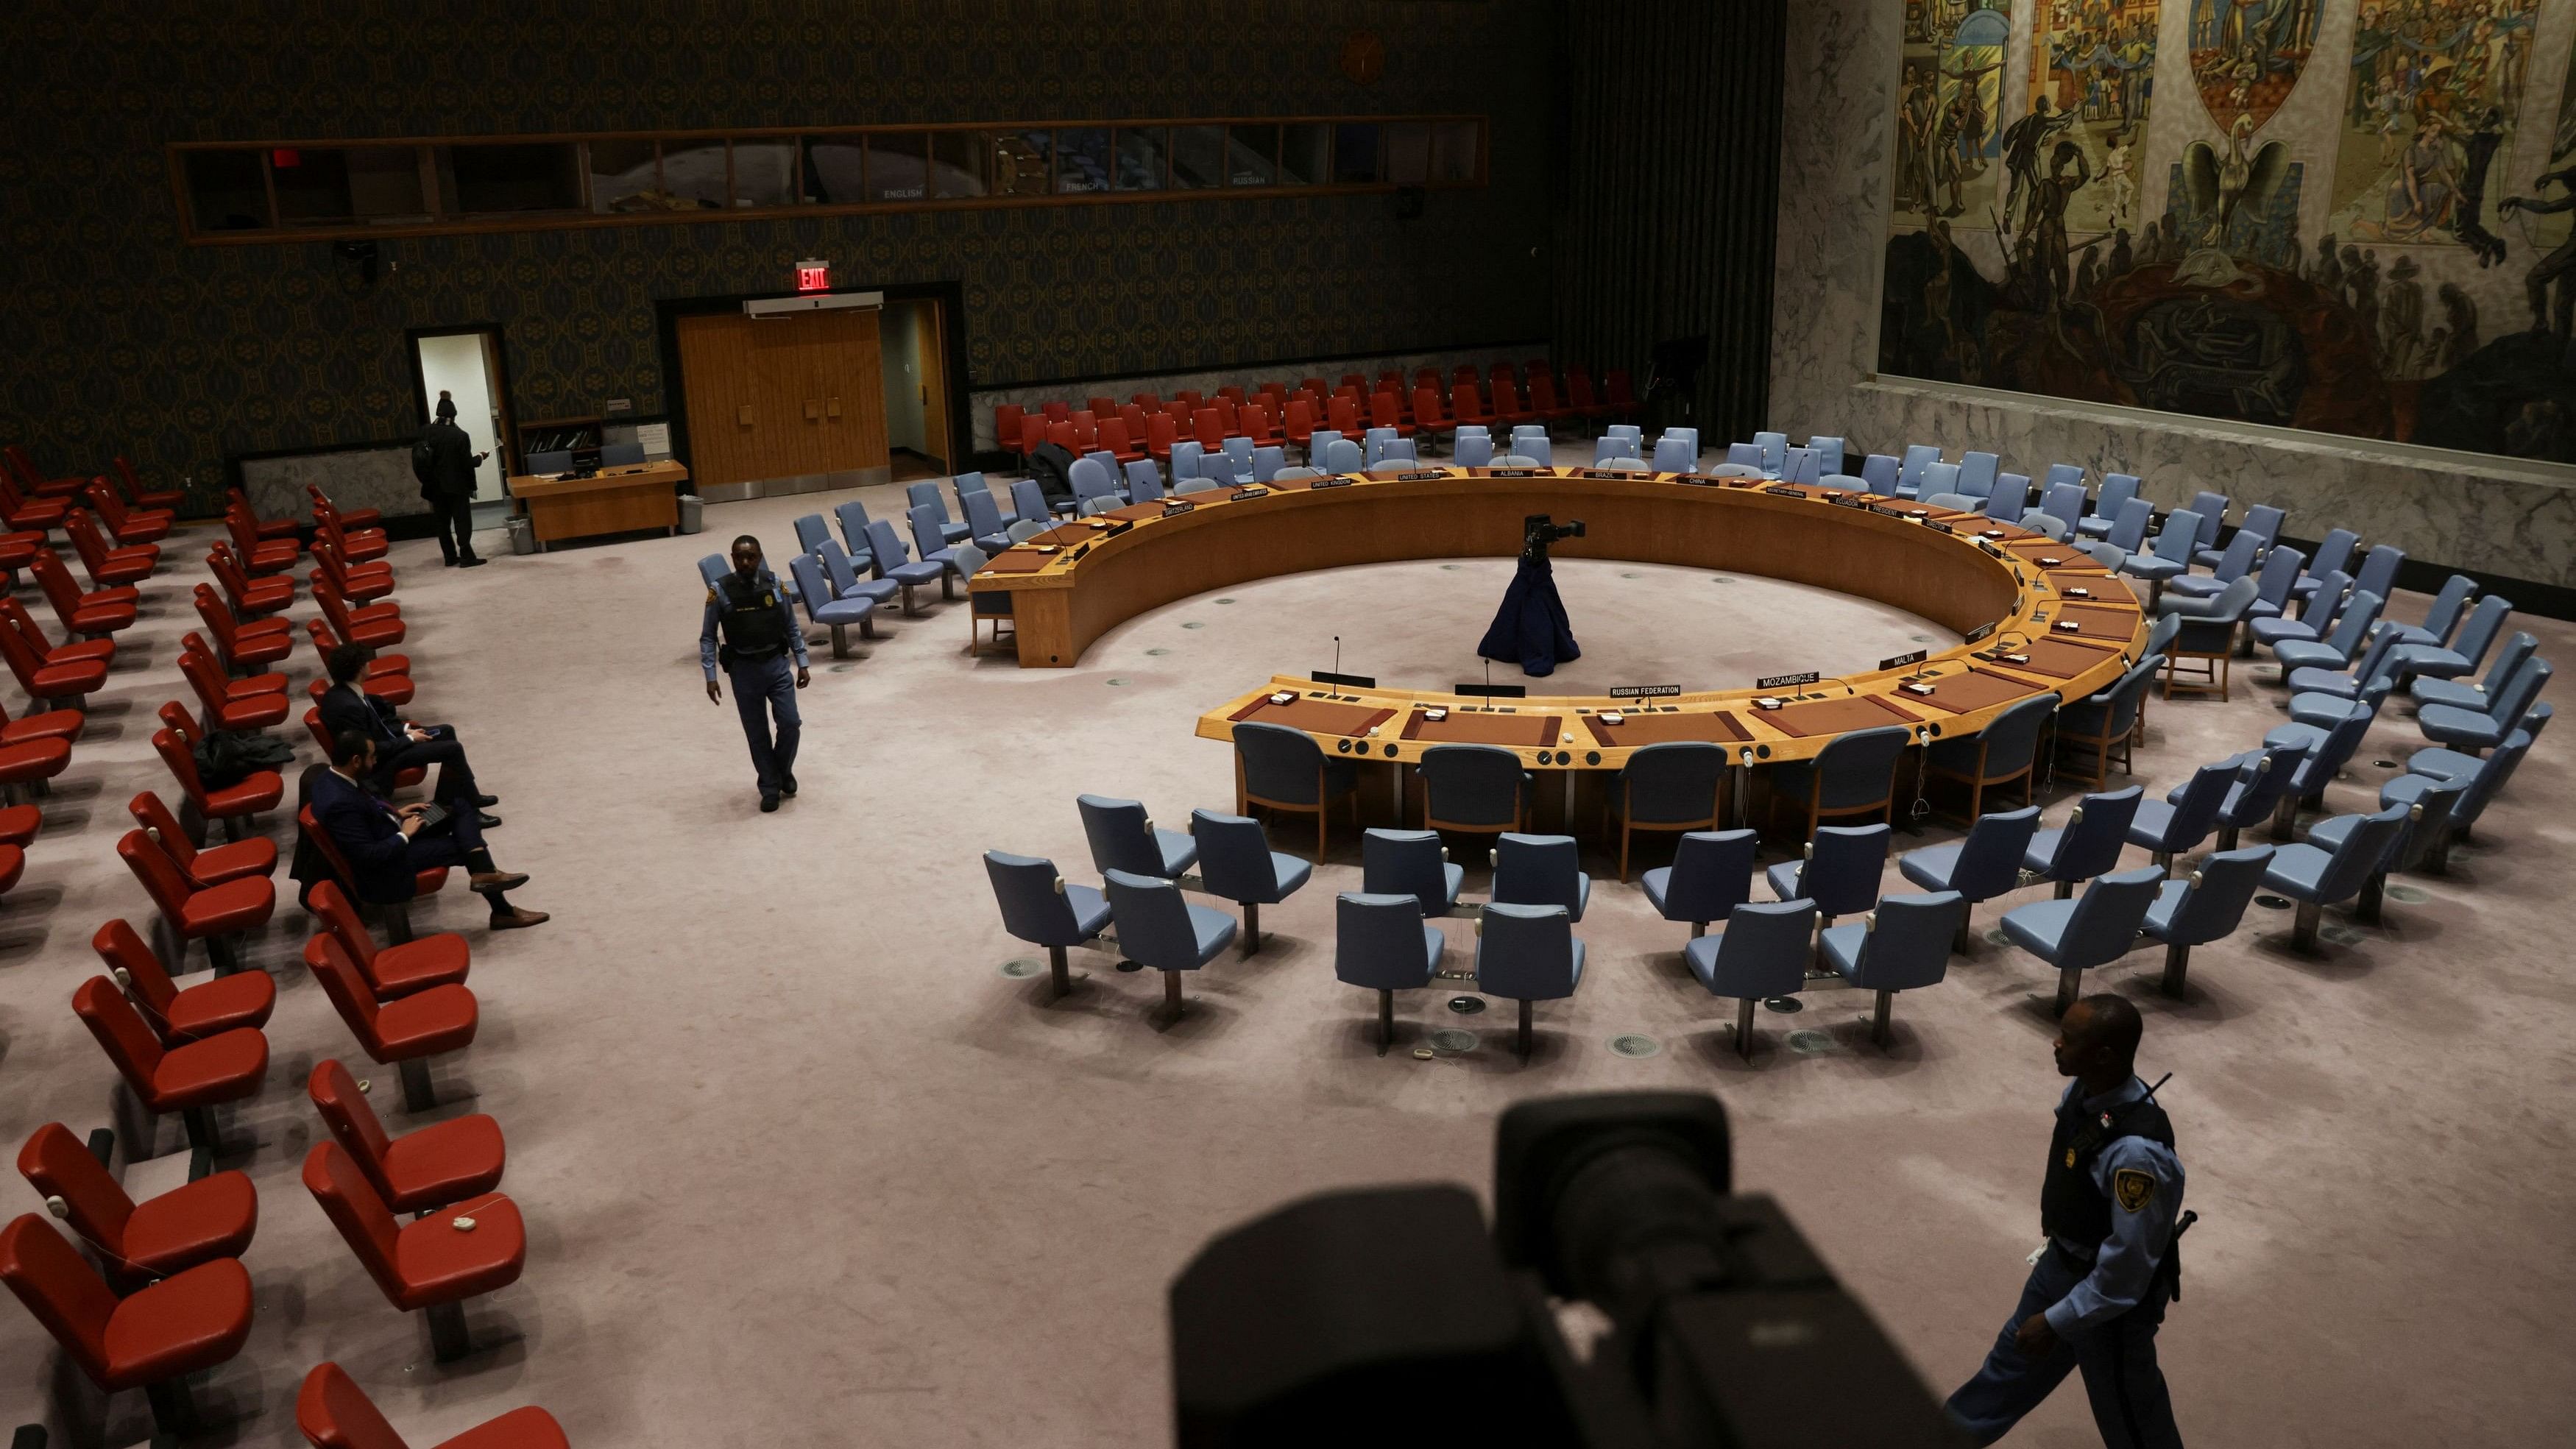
{"x":1714,"y":727}
{"x":2102,"y":623}
{"x":1960,"y":691}
{"x":1316,"y":716}
{"x":1512,"y":731}
{"x":617,"y":500}
{"x":2061,"y":658}
{"x":1837,"y":716}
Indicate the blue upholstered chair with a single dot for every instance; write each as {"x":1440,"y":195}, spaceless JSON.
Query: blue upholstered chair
{"x":853,"y":517}
{"x":2262,"y":524}
{"x":1382,"y":944}
{"x":544,"y":465}
{"x":2010,"y":502}
{"x":2337,"y":649}
{"x":1239,"y":448}
{"x":2118,"y":491}
{"x":1977,"y":474}
{"x":1879,"y":471}
{"x":1666,"y":787}
{"x":1186,"y":457}
{"x":1478,"y":788}
{"x":1998,"y":755}
{"x":1904,"y":945}
{"x":1527,"y":953}
{"x":1398,"y":450}
{"x":712,"y":569}
{"x":1029,"y":500}
{"x":1284,"y":769}
{"x":2177,"y":824}
{"x":2429,"y":807}
{"x":2091,"y":730}
{"x":2427,"y":768}
{"x":2329,"y":747}
{"x":1829,"y":451}
{"x":1410,"y":863}
{"x":2334,"y":556}
{"x":2211,"y":509}
{"x":1537,"y":448}
{"x":925,"y":494}
{"x":2454,"y":692}
{"x":1763,"y":952}
{"x":894,"y":562}
{"x":1671,"y":457}
{"x":2442,"y":617}
{"x":2418,"y":662}
{"x":1472,"y":450}
{"x":2062,"y":503}
{"x":1775,"y":451}
{"x":1160,"y":931}
{"x":2088,"y":844}
{"x":1144,"y":481}
{"x":2272,"y":583}
{"x":2472,"y":730}
{"x":1123,"y":838}
{"x":2074,"y":473}
{"x":1270,"y":458}
{"x":1041,"y":907}
{"x":1838,"y":870}
{"x":1981,"y":867}
{"x":1801,"y":465}
{"x":984,"y":523}
{"x":2129,"y":527}
{"x":1940,"y":478}
{"x":1343,"y":456}
{"x":2204,"y":630}
{"x":1323,"y":438}
{"x":1909,"y":474}
{"x":2094,"y":929}
{"x":2319,"y":692}
{"x":2263,"y":777}
{"x":822,"y":609}
{"x":1854,"y":775}
{"x":2236,"y":561}
{"x":2316,"y":618}
{"x":2378,"y":571}
{"x":1711,"y":874}
{"x":1540,"y":870}
{"x":2205,"y":907}
{"x":1092,"y":480}
{"x":1237,"y":864}
{"x":2316,"y":877}
{"x":1612,"y":446}
{"x":810,"y":532}
{"x":1744,"y":455}
{"x":1689,"y":437}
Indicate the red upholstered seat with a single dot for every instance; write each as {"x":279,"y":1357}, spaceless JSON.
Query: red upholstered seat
{"x":193,"y":1320}
{"x":400,"y":970}
{"x":212,"y":1217}
{"x":91,"y":614}
{"x":208,"y":1008}
{"x":13,"y":867}
{"x":428,"y":1261}
{"x":215,"y":864}
{"x":249,"y":596}
{"x":164,"y":501}
{"x":423,"y":1024}
{"x":53,"y":724}
{"x":261,"y":791}
{"x":223,"y":1068}
{"x":33,"y":760}
{"x":19,"y":824}
{"x":431,"y":1167}
{"x":335,"y":1414}
{"x":128,"y":526}
{"x":196,"y":912}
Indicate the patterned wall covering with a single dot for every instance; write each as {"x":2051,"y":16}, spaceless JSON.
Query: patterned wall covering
{"x":2345,"y":216}
{"x":120,"y":338}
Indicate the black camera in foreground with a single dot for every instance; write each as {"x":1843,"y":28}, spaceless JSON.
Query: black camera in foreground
{"x":1538,"y":530}
{"x":1390,"y":1315}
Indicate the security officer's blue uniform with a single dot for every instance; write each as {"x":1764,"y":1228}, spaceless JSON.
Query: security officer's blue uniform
{"x":2108,"y":1205}
{"x":760,"y":635}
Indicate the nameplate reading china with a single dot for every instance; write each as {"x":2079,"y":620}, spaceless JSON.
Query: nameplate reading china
{"x":1901,"y":660}
{"x":1783,"y":681}
{"x":1700,"y":479}
{"x":1643,"y":691}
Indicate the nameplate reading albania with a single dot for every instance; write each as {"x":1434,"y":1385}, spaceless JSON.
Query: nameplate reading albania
{"x":1783,"y":681}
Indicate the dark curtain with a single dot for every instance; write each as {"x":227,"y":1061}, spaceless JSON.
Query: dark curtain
{"x":1668,"y":147}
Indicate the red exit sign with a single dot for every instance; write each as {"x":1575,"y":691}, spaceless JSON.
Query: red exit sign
{"x":813,"y":276}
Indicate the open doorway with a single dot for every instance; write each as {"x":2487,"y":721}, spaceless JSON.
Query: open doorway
{"x":465,"y":363}
{"x":913,"y":340}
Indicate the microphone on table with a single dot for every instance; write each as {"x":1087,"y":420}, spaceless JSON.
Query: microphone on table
{"x":1337,"y":656}
{"x":1489,"y":684}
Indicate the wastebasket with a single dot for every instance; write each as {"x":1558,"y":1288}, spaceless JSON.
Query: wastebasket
{"x":523,"y":538}
{"x":693,"y":513}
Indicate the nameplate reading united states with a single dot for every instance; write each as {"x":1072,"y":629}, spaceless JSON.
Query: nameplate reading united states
{"x":1783,"y":681}
{"x":1643,"y":691}
{"x":1420,"y":477}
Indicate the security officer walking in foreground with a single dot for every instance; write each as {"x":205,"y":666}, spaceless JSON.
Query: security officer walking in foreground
{"x":759,"y":633}
{"x":2099,"y":1285}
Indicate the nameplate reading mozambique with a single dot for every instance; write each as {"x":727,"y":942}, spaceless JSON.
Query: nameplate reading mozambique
{"x":1420,"y":477}
{"x":1643,"y":691}
{"x":1785,"y":491}
{"x":1605,"y":473}
{"x":1783,"y":681}
{"x":1329,"y":483}
{"x":1980,"y":632}
{"x":1901,"y":660}
{"x":1242,"y":493}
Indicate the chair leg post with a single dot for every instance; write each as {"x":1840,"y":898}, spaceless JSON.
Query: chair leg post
{"x":222,"y":955}
{"x":2070,"y":984}
{"x":2164,"y":861}
{"x":2437,"y":861}
{"x":1172,"y":994}
{"x":1698,"y":929}
{"x":1524,"y":1039}
{"x":1060,"y":969}
{"x":2285,"y":816}
{"x":2365,"y":907}
{"x":2177,"y":964}
{"x":1385,"y":1021}
{"x":203,"y":1137}
{"x":2065,"y":888}
{"x":1251,"y":927}
{"x":174,"y":1408}
{"x":1744,"y":1028}
{"x":1959,"y":938}
{"x":841,"y":641}
{"x":1878,"y":1027}
{"x":398,"y":923}
{"x":2226,"y":838}
{"x":448,"y":1340}
{"x":2303,"y":933}
{"x":418,"y":1094}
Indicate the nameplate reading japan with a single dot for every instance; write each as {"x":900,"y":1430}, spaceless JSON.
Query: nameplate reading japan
{"x":1783,"y":681}
{"x":1901,"y":660}
{"x":1643,"y":691}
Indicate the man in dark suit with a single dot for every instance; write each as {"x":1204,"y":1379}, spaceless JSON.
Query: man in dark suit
{"x":445,"y":462}
{"x":387,"y":846}
{"x":400,"y":743}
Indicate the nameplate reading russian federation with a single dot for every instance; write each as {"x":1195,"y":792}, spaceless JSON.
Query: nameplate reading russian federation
{"x":1901,"y":660}
{"x":1785,"y":491}
{"x":1783,"y":681}
{"x":1643,"y":691}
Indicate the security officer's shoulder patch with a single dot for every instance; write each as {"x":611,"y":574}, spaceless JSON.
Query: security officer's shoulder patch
{"x":2133,"y":1188}
{"x":711,"y":593}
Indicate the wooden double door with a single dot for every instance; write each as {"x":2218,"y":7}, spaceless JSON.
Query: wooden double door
{"x":782,"y":397}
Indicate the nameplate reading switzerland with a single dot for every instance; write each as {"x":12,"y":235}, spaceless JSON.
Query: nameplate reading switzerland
{"x":1783,"y":681}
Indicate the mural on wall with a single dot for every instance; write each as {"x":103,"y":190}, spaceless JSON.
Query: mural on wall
{"x":1948,"y":146}
{"x":2375,"y":255}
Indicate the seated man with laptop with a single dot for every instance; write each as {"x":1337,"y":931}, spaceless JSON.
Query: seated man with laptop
{"x":387,"y":846}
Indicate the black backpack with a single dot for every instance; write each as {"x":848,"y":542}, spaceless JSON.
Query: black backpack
{"x":424,"y":457}
{"x":227,"y":757}
{"x":1052,"y":466}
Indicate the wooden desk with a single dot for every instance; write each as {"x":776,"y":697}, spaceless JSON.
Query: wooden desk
{"x":618,"y":500}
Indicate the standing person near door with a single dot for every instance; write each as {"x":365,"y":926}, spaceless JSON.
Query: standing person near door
{"x":750,"y":612}
{"x":444,"y":460}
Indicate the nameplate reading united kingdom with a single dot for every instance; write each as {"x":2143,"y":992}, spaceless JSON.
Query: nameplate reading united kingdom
{"x":1329,"y":483}
{"x":1901,"y":660}
{"x":1643,"y":691}
{"x":1176,"y":506}
{"x":1784,"y":681}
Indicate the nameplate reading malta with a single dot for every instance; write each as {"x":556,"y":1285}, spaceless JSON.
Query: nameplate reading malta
{"x":1783,"y":681}
{"x":1901,"y":660}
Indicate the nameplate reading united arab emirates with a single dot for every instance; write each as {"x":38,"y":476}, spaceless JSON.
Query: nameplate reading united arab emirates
{"x":1783,"y":681}
{"x":1901,"y":660}
{"x":1643,"y":691}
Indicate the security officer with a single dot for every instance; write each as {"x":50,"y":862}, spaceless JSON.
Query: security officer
{"x":2099,"y":1285}
{"x":759,"y":634}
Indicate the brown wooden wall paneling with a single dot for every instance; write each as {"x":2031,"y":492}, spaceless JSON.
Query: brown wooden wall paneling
{"x":782,"y":397}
